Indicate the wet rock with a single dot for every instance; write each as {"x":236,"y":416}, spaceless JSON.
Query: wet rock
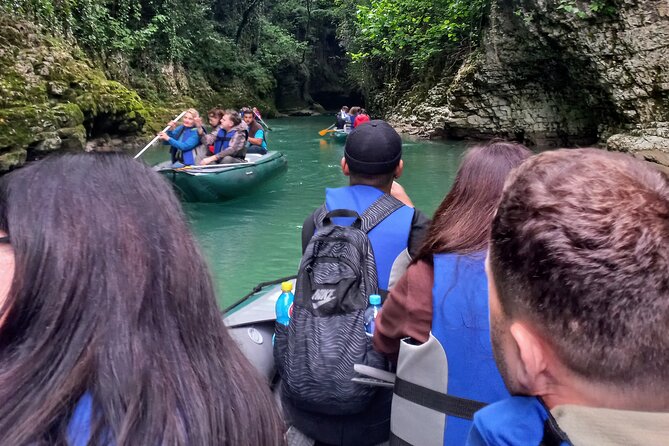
{"x":49,"y":142}
{"x":73,"y":138}
{"x":11,"y":159}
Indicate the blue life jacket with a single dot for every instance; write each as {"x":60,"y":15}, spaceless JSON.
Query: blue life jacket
{"x":389,"y":238}
{"x":516,"y":421}
{"x":223,"y":140}
{"x":220,"y":141}
{"x":182,"y":142}
{"x":460,"y":324}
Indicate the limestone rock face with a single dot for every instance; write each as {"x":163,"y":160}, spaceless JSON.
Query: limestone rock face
{"x":555,"y":76}
{"x":52,"y":99}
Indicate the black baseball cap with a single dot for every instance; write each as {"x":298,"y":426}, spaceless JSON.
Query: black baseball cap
{"x":373,"y":148}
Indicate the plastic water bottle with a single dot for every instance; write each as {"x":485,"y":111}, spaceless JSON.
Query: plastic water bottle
{"x":284,"y":304}
{"x":371,"y":312}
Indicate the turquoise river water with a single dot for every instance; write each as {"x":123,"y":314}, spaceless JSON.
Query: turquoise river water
{"x":256,"y":238}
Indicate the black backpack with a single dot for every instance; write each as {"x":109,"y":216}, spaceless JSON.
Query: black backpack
{"x":326,"y":336}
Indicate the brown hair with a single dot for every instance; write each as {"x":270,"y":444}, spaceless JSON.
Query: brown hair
{"x":354,"y":110}
{"x":461,"y":223}
{"x":580,"y":247}
{"x":216,"y":112}
{"x":234,"y":116}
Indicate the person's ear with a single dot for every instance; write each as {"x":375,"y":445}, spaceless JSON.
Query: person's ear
{"x":531,"y":373}
{"x":344,"y":167}
{"x":399,"y":169}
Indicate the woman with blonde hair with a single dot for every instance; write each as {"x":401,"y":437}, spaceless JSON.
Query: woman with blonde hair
{"x":183,"y":139}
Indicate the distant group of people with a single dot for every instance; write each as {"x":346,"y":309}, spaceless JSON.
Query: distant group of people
{"x":227,"y":139}
{"x":348,"y":119}
{"x":533,"y":309}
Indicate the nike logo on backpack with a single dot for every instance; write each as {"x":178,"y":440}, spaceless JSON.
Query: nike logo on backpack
{"x":321,"y":297}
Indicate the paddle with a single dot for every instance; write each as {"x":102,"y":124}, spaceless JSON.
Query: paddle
{"x":156,"y":138}
{"x":211,"y":166}
{"x":327,"y":130}
{"x":257,"y":113}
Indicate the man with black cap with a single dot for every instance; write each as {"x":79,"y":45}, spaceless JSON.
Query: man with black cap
{"x":372,"y":160}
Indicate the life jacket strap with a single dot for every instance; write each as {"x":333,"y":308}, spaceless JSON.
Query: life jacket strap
{"x":447,"y":404}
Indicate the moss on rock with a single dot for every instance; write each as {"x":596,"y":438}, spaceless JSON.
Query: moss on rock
{"x":51,"y":98}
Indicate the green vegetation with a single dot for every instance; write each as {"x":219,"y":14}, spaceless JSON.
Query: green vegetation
{"x":416,"y":31}
{"x":220,"y":44}
{"x":587,"y":9}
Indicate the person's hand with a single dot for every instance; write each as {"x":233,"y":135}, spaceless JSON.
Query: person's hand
{"x":164,"y":136}
{"x":207,"y":160}
{"x":172,"y":125}
{"x":198,"y":122}
{"x":397,"y":191}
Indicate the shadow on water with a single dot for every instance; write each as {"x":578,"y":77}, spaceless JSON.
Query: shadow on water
{"x":256,"y":237}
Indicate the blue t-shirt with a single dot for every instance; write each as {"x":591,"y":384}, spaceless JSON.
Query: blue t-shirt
{"x":79,"y":429}
{"x":261,"y":134}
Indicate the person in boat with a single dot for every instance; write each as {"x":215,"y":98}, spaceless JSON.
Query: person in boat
{"x":442,"y":298}
{"x":208,"y":139}
{"x":372,"y":160}
{"x":183,"y":139}
{"x":361,"y":118}
{"x":256,"y":140}
{"x":233,"y":134}
{"x":578,"y":268}
{"x":343,"y":118}
{"x":353,"y":113}
{"x":109,"y":331}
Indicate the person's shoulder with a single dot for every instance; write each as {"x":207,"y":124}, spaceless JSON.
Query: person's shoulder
{"x":518,"y":420}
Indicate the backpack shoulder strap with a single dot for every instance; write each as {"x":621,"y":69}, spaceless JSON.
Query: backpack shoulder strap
{"x":378,"y":211}
{"x":312,"y":222}
{"x":319,"y":216}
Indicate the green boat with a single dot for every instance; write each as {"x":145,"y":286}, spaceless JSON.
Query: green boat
{"x":340,"y":135}
{"x":222,"y":182}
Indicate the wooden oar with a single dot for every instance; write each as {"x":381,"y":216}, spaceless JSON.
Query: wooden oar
{"x":327,"y":130}
{"x":156,"y":138}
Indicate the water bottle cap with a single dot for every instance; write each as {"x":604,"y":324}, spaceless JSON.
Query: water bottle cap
{"x":286,"y":286}
{"x":374,"y":299}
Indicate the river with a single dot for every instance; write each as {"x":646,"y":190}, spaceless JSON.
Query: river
{"x":256,"y":238}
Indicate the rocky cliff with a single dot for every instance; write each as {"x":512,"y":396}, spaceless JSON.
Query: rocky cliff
{"x":51,"y":98}
{"x":558,"y":73}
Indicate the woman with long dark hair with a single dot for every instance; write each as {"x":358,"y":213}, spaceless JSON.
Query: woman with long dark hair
{"x":442,"y":297}
{"x":109,"y":328}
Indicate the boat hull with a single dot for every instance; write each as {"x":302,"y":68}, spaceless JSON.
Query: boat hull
{"x":251,"y":324}
{"x":212,"y":184}
{"x":340,"y":135}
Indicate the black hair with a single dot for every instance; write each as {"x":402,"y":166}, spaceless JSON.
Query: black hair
{"x":112,"y":299}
